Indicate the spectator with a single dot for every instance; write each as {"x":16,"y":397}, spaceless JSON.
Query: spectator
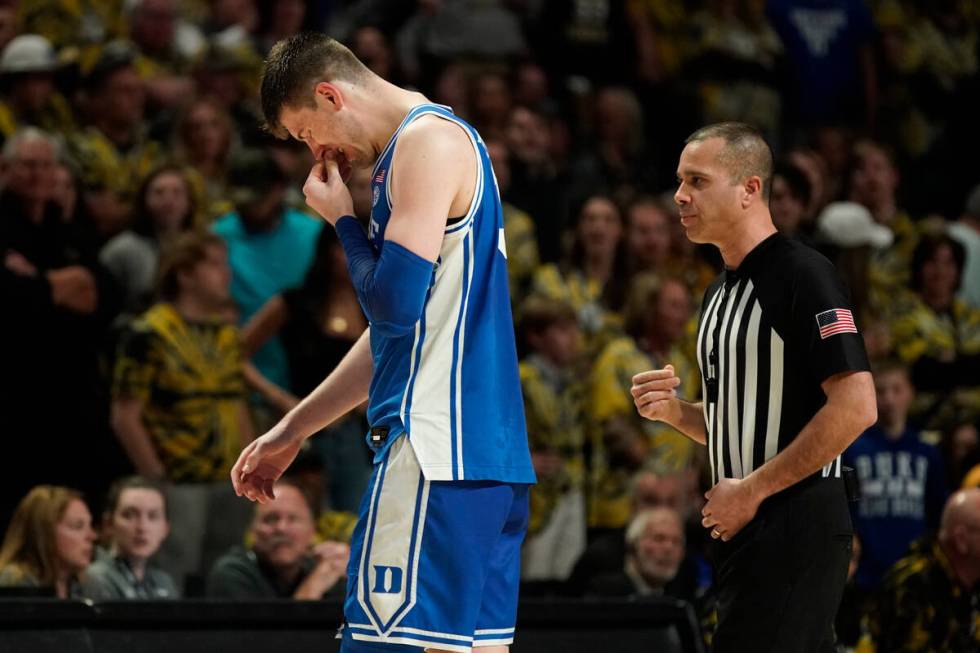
{"x":961,"y":449}
{"x":814,"y":168}
{"x":270,"y":246}
{"x":553,"y":405}
{"x":29,"y":96}
{"x":178,"y":402}
{"x":655,"y":323}
{"x":283,"y":561}
{"x":928,"y":602}
{"x":204,"y":140}
{"x":227,"y":74}
{"x":49,"y":542}
{"x":163,"y":208}
{"x":135,"y":523}
{"x":537,"y":183}
{"x":737,"y":59}
{"x":789,"y":198}
{"x":903,"y":483}
{"x":167,"y":45}
{"x":371,"y":46}
{"x":279,"y":19}
{"x":58,"y":304}
{"x":873,"y":182}
{"x":592,"y":276}
{"x":829,"y":50}
{"x":648,"y":238}
{"x":654,"y":553}
{"x":606,"y":553}
{"x":619,"y":161}
{"x":453,"y":29}
{"x":66,"y":24}
{"x":317,"y":322}
{"x":114,"y":152}
{"x":577,"y":41}
{"x":967,"y":232}
{"x":490,"y":104}
{"x":519,"y":230}
{"x":939,"y":337}
{"x":64,"y":190}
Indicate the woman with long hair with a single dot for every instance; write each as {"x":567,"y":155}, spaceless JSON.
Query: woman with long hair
{"x":593,"y":277}
{"x":49,"y":541}
{"x":939,"y":337}
{"x":164,"y":207}
{"x":204,"y":138}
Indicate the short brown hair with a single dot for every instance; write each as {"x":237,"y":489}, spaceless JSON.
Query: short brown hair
{"x":293,"y":67}
{"x":29,"y":546}
{"x":746,"y":152}
{"x":538,"y":313}
{"x":132,"y":483}
{"x":182,"y":255}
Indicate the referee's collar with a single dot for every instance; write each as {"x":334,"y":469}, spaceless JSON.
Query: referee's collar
{"x":753,"y":257}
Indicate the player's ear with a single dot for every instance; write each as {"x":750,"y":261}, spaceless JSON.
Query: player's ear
{"x":328,"y":96}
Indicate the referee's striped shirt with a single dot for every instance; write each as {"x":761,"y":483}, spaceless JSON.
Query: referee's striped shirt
{"x":770,"y":333}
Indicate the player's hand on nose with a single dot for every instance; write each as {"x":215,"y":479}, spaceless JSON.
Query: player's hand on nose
{"x":326,"y":192}
{"x":655,"y":395}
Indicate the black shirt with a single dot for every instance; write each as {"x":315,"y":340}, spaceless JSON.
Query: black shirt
{"x":770,"y":333}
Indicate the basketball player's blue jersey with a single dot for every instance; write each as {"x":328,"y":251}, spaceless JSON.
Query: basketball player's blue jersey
{"x":451,"y":386}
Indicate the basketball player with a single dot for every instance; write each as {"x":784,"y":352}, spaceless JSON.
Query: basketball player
{"x":435,"y":555}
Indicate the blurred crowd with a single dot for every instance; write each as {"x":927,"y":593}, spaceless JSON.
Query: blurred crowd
{"x":167,"y":295}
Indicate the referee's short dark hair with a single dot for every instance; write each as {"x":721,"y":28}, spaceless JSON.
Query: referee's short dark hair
{"x":746,"y":152}
{"x":293,"y":68}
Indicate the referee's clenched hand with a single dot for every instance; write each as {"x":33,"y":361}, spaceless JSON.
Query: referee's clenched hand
{"x":655,"y":396}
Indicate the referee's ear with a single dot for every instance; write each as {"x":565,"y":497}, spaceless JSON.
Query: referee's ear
{"x":752,"y":191}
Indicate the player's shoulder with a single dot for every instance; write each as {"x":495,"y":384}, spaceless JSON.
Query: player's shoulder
{"x":433,"y":133}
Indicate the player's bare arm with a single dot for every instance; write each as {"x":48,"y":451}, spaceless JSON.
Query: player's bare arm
{"x":263,"y":461}
{"x":435,"y":180}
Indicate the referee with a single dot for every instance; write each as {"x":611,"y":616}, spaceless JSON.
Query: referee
{"x":786,"y":389}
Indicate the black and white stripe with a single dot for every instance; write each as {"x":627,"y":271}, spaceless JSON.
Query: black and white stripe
{"x":743,"y":424}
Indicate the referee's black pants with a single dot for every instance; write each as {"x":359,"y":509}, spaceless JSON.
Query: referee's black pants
{"x":780,"y":579}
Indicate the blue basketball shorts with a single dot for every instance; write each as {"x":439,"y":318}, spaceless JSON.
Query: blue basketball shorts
{"x":433,"y":564}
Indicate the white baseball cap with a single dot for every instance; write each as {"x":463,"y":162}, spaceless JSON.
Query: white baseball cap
{"x":28,"y":53}
{"x":849,"y":224}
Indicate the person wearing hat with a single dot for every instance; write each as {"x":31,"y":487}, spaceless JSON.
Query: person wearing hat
{"x":27,"y":91}
{"x":967,"y":232}
{"x":114,"y":152}
{"x":270,"y":246}
{"x":874,"y":181}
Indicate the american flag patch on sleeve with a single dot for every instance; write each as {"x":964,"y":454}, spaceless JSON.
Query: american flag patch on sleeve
{"x":834,"y":321}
